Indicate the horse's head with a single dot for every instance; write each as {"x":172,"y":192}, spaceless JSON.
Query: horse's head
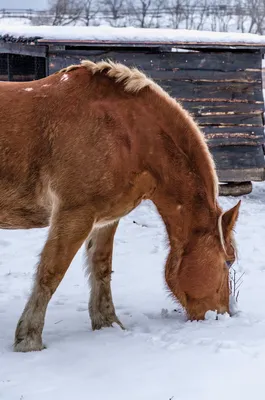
{"x":201,"y":280}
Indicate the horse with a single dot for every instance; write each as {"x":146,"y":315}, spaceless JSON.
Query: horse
{"x":82,"y":148}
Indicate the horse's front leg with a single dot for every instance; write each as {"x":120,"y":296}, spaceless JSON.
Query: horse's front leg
{"x":99,"y":254}
{"x":68,"y":231}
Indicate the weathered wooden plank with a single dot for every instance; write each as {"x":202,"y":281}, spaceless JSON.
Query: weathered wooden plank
{"x":234,"y":140}
{"x":23,"y":49}
{"x":257,"y":131}
{"x":160,"y":45}
{"x":224,"y":91}
{"x":218,"y":136}
{"x":230,"y":119}
{"x":208,"y":76}
{"x":263,"y":74}
{"x":148,"y":60}
{"x":212,"y":61}
{"x":198,"y":108}
{"x":235,"y":188}
{"x":238,"y":158}
{"x":241,"y":174}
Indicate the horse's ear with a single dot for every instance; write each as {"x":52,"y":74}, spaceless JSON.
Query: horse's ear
{"x":229,"y":219}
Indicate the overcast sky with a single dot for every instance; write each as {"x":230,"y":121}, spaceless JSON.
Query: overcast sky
{"x":34,"y":4}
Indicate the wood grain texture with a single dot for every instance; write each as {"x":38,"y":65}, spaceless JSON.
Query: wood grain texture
{"x":214,"y":91}
{"x":150,"y":60}
{"x":245,"y":120}
{"x":198,"y":108}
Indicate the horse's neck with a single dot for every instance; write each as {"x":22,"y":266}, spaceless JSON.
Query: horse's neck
{"x":184,"y":209}
{"x":192,"y":162}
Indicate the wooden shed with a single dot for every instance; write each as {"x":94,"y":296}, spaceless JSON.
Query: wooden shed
{"x":216,"y":76}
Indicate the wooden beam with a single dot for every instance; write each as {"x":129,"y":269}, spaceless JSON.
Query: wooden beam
{"x":241,"y":175}
{"x":211,"y":91}
{"x":240,"y":120}
{"x":198,"y":108}
{"x":23,"y":49}
{"x":247,"y":76}
{"x":238,"y":158}
{"x":150,"y":44}
{"x":148,"y":60}
{"x":220,"y":136}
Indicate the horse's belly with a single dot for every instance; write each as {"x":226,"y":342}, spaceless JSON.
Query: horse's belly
{"x":23,"y":218}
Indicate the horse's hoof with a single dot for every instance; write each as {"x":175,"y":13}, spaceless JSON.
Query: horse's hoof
{"x":105,"y":322}
{"x":28,"y":344}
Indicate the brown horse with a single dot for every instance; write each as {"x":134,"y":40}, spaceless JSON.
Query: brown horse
{"x":82,"y":148}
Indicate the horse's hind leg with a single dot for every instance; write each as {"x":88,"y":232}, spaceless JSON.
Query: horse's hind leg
{"x":99,"y":254}
{"x":68,"y":231}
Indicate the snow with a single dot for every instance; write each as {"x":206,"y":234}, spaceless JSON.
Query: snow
{"x":129,"y":34}
{"x":14,"y":21}
{"x":160,"y":356}
{"x":65,"y":77}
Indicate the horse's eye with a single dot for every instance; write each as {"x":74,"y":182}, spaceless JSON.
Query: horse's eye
{"x":229,"y":264}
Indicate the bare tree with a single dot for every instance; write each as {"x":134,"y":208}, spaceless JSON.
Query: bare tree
{"x":257,"y":16}
{"x":140,"y":12}
{"x":145,"y":12}
{"x":221,"y":16}
{"x":158,"y":12}
{"x":176,"y":12}
{"x":113,"y":10}
{"x":42,"y":18}
{"x":249,"y":15}
{"x":202,"y":15}
{"x":65,"y":12}
{"x":241,"y":17}
{"x":190,"y":14}
{"x":90,"y":11}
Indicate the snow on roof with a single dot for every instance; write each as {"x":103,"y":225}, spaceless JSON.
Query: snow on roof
{"x":128,"y":35}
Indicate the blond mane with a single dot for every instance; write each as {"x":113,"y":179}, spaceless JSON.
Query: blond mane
{"x":134,"y":81}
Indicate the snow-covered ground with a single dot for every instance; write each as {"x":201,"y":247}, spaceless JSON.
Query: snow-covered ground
{"x":160,"y":356}
{"x":14,"y":21}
